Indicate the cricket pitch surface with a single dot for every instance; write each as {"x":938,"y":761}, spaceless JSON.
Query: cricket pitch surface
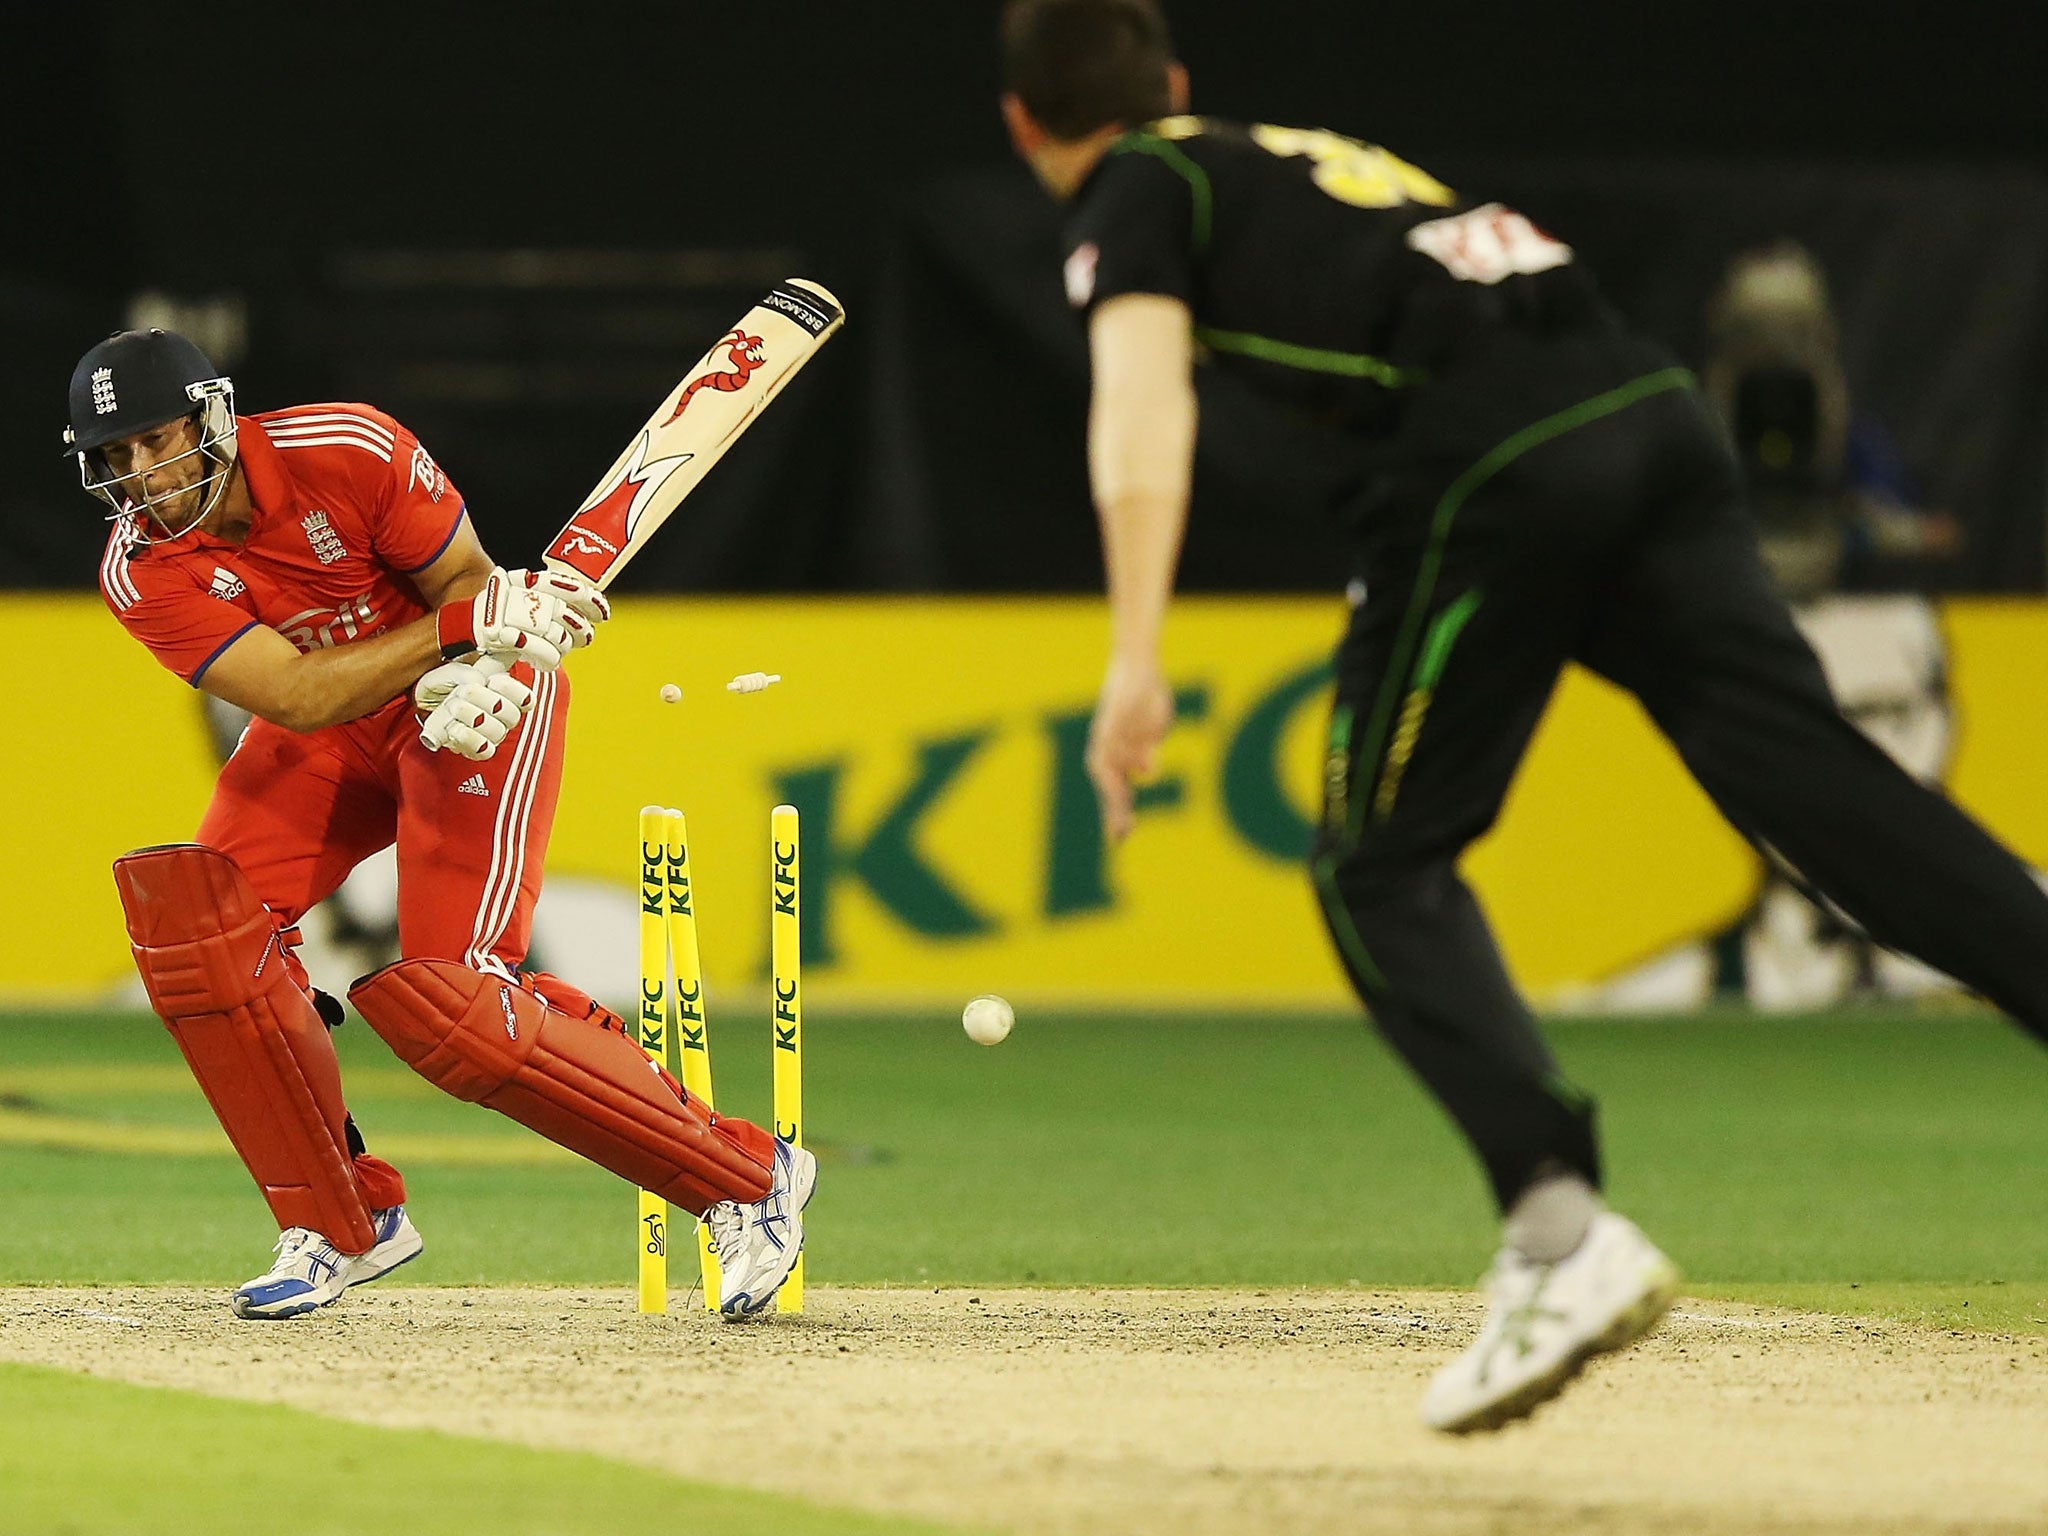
{"x":1189,"y":1412}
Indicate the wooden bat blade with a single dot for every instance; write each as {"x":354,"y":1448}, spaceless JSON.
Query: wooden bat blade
{"x":691,"y":430}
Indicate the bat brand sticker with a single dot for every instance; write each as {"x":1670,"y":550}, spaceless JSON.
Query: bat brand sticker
{"x":804,"y":313}
{"x":610,"y":518}
{"x":584,"y":542}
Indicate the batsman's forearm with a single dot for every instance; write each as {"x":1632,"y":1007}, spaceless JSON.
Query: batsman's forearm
{"x":346,"y":682}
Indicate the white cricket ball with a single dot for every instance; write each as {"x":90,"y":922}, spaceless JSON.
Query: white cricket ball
{"x":671,"y":694}
{"x":987,"y":1020}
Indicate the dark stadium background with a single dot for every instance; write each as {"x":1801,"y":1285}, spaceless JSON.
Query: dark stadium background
{"x":513,"y":227}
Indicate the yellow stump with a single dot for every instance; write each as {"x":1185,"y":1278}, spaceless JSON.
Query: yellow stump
{"x":681,"y":916}
{"x":652,"y":1228}
{"x":785,"y":963}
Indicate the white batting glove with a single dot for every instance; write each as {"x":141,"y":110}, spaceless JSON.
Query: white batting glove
{"x":533,"y":616}
{"x":469,"y":708}
{"x":576,"y":590}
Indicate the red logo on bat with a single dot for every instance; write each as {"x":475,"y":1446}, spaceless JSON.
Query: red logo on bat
{"x":745,"y":355}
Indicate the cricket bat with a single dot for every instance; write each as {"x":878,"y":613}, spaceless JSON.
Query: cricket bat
{"x":692,"y":428}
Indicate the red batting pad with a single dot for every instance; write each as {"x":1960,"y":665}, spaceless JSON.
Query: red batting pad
{"x":217,"y":976}
{"x":582,"y":1086}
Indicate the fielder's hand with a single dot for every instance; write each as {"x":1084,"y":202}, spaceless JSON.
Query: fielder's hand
{"x":1132,"y":716}
{"x":533,"y":616}
{"x":469,"y":708}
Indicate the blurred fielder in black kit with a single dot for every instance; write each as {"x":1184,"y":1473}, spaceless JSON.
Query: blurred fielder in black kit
{"x":1533,"y":485}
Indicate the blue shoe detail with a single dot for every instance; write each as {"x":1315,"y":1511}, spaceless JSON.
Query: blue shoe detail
{"x":311,"y":1272}
{"x":762,"y":1241}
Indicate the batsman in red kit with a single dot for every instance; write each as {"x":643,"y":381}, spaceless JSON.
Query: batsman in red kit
{"x":314,"y":566}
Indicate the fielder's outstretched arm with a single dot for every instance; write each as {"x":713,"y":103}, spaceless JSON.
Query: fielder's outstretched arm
{"x":1141,"y":453}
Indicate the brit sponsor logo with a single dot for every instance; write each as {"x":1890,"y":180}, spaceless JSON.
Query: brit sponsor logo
{"x":103,"y":402}
{"x":317,"y":628}
{"x":327,"y":545}
{"x":227,"y":586}
{"x":425,"y":472}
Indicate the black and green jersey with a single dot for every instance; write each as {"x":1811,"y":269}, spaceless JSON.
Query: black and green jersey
{"x":1330,"y":271}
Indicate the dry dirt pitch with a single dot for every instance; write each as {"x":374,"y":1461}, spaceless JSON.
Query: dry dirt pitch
{"x":1143,"y":1412}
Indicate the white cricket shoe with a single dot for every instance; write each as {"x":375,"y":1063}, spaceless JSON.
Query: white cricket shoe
{"x":1545,"y":1321}
{"x":310,"y":1272}
{"x":758,"y":1244}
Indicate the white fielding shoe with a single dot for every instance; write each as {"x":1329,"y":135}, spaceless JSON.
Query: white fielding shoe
{"x":310,"y":1272}
{"x":758,"y":1244}
{"x":1545,"y":1321}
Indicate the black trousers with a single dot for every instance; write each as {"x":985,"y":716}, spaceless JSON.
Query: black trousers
{"x":1567,"y":498}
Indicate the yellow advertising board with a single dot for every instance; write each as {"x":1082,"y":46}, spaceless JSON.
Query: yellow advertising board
{"x":950,"y":843}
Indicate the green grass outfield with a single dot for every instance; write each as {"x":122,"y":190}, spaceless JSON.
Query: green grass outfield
{"x":1882,"y":1162}
{"x":144,"y":1459}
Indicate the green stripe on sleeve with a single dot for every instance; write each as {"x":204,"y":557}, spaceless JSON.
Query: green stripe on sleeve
{"x":1350,"y":365}
{"x":1196,"y":178}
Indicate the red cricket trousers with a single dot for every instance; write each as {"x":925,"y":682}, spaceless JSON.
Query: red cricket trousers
{"x":298,"y":812}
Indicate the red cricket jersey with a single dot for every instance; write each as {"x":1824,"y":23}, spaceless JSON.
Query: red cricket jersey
{"x":348,"y":504}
